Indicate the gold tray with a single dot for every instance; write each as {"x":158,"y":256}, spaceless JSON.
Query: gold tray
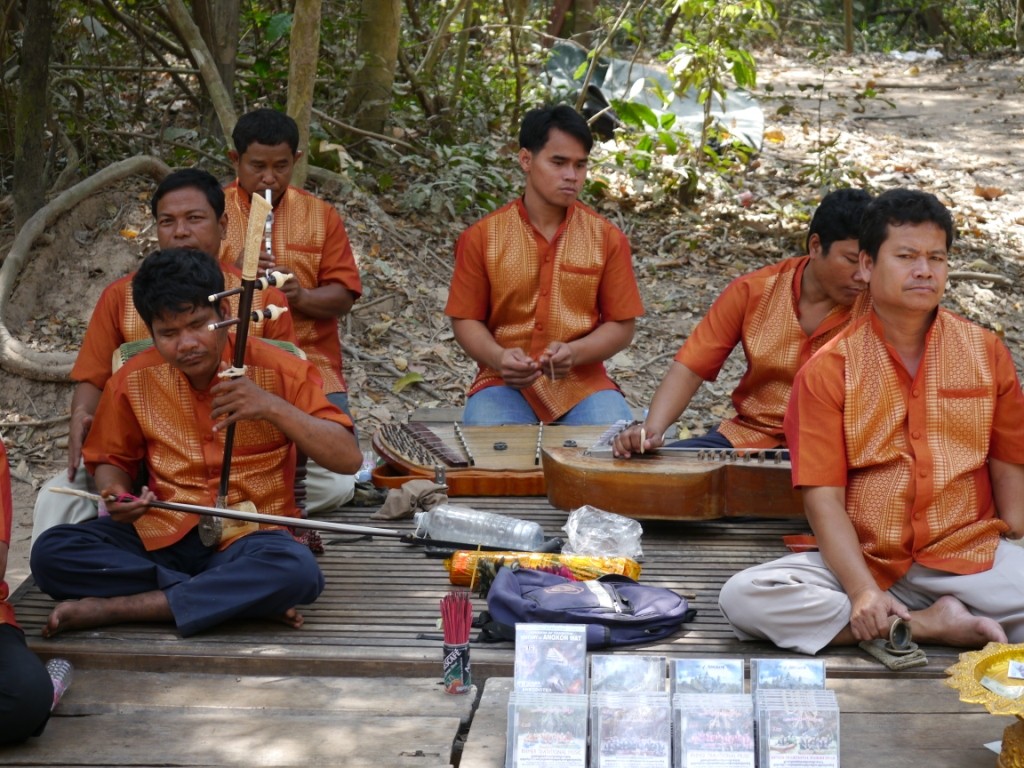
{"x":991,"y":664}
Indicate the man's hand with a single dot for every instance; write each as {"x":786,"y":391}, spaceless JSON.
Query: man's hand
{"x":240,"y":399}
{"x":266,"y":264}
{"x":557,"y":360}
{"x":635,"y":439}
{"x":127,"y":511}
{"x":871,"y":613}
{"x":81,"y":423}
{"x":518,"y":369}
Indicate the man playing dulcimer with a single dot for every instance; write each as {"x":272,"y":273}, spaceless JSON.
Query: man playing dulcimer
{"x":167,"y":410}
{"x":188,"y":208}
{"x":781,"y":314}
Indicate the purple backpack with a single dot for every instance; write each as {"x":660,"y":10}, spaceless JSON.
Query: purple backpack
{"x":616,"y":609}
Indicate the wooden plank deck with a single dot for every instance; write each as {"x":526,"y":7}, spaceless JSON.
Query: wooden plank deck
{"x":376,"y":621}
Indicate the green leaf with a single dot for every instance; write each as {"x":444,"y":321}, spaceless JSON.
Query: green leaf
{"x":280,"y":25}
{"x":406,"y":381}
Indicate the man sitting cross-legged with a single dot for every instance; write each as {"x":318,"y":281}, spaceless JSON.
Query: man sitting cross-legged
{"x":166,"y":409}
{"x":905,"y":436}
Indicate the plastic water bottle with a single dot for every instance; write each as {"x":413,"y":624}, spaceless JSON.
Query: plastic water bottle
{"x":464,"y":525}
{"x":61,"y":673}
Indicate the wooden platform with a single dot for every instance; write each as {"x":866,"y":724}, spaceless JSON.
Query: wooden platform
{"x":376,"y":621}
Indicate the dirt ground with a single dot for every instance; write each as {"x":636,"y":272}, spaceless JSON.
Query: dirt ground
{"x":952,"y":128}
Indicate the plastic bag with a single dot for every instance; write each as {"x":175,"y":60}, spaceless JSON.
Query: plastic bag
{"x":597,"y":533}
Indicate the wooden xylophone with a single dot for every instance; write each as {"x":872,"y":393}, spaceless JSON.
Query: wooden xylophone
{"x":673,"y":484}
{"x":476,"y":461}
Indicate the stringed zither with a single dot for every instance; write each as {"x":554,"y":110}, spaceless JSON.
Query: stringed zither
{"x":673,"y":484}
{"x":476,"y":461}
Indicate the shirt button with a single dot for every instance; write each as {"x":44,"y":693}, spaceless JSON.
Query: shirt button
{"x":923,"y":473}
{"x":916,"y":435}
{"x":916,"y":393}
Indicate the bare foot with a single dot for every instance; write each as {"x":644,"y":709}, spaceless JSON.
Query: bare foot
{"x":100,"y":611}
{"x":76,"y":614}
{"x":948,"y":622}
{"x":292,"y":618}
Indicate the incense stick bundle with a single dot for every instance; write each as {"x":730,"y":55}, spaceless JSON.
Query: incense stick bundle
{"x":456,"y":617}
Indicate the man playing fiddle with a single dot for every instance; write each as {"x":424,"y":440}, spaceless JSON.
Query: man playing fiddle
{"x":167,"y":410}
{"x":188,"y":208}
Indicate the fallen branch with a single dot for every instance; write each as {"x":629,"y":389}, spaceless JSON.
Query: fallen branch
{"x":981,"y":277}
{"x":355,"y":354}
{"x":15,"y":356}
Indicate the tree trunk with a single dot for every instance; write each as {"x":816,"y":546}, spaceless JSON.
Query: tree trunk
{"x":31,"y":112}
{"x":217,"y":21}
{"x":189,"y":34}
{"x":584,"y":23}
{"x":369,"y":99}
{"x":1018,"y":26}
{"x":304,"y":50}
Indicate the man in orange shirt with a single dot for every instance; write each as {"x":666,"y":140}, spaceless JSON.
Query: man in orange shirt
{"x":308,"y":240}
{"x":544,"y":291}
{"x":905,"y":435}
{"x":188,"y":208}
{"x":781,"y":314}
{"x":167,"y":410}
{"x":26,"y":691}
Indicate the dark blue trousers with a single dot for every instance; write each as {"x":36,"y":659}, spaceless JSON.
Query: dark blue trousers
{"x":712,"y":439}
{"x":26,"y":693}
{"x":260,"y":575}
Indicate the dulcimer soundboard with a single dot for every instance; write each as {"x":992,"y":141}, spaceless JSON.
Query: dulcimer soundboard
{"x":673,"y":483}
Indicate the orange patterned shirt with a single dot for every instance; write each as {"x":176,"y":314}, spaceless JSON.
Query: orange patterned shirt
{"x":911,"y":452}
{"x":6,"y":518}
{"x":310,"y":240}
{"x":114,"y":321}
{"x":149,"y":412}
{"x":530,"y":292}
{"x":759,"y":310}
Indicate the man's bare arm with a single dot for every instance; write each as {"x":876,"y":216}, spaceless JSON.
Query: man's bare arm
{"x":326,"y":442}
{"x":671,"y":398}
{"x":323,"y":302}
{"x":83,"y":407}
{"x":1008,"y":491}
{"x":840,"y":548}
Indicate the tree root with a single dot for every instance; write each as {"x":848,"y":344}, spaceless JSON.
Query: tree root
{"x":15,"y":356}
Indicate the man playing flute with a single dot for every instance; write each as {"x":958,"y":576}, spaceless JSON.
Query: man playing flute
{"x":308,"y":240}
{"x":166,"y":410}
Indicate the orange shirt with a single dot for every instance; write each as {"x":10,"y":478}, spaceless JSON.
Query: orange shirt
{"x":310,"y":240}
{"x":530,"y":292}
{"x":149,"y":412}
{"x":114,"y":321}
{"x":6,"y":517}
{"x":911,"y":452}
{"x":759,"y":310}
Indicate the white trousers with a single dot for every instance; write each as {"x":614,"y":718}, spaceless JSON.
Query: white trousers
{"x":797,"y":603}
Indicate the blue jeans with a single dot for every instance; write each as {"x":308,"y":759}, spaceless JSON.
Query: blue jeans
{"x":503,"y":405}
